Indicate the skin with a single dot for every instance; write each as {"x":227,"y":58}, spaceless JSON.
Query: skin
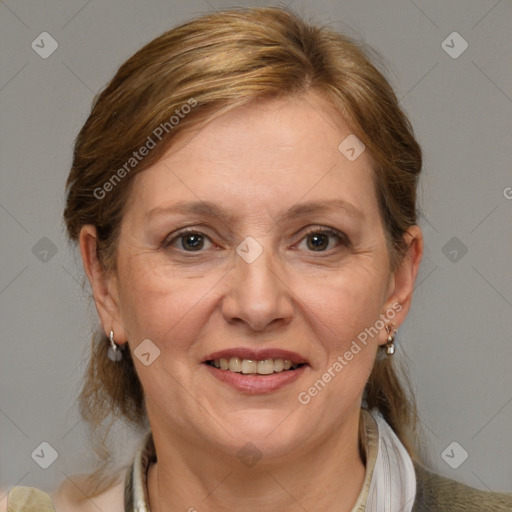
{"x":254,"y":163}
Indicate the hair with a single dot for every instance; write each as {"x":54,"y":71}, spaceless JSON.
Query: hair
{"x":189,"y":76}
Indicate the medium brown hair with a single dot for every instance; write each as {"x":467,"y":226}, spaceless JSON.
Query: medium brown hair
{"x":196,"y":72}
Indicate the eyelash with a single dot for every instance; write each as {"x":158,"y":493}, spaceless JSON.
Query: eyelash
{"x":342,"y":238}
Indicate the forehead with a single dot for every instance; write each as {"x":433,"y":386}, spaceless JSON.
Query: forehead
{"x":264,"y":155}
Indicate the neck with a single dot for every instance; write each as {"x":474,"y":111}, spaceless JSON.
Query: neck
{"x":327,"y":477}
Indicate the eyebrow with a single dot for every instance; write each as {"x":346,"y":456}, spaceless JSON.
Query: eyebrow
{"x":209,"y":209}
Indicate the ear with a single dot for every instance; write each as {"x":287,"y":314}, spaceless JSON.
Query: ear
{"x":401,"y":284}
{"x":103,"y":284}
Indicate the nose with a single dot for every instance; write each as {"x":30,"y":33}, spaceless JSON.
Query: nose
{"x":258,"y":295}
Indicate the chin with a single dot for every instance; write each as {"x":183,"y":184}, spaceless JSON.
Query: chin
{"x":273,"y":432}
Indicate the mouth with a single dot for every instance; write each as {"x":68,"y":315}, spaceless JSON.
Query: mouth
{"x":253,"y":366}
{"x":256,"y":371}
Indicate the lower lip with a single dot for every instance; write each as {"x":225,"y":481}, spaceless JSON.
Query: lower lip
{"x":256,"y":384}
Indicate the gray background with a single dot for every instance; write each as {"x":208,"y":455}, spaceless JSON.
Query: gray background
{"x":457,"y":335}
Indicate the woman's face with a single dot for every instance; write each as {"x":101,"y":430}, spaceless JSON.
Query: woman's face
{"x":284,"y":258}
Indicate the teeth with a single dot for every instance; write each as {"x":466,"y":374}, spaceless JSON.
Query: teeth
{"x":251,"y":366}
{"x":235,"y":364}
{"x":266,"y":367}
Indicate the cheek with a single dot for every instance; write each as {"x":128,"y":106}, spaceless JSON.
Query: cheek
{"x":343,"y":313}
{"x":343,"y":305}
{"x":156,"y":304}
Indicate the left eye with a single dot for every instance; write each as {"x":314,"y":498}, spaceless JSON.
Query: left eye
{"x":320,"y":240}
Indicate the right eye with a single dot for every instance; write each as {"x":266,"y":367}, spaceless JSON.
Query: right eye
{"x":188,"y":240}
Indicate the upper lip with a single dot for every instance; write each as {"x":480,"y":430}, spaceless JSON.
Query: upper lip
{"x":256,"y":355}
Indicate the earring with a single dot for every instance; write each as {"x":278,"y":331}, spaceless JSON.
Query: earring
{"x":114,"y":352}
{"x":390,"y":346}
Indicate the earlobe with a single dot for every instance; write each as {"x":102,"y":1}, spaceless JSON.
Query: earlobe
{"x":103,"y":284}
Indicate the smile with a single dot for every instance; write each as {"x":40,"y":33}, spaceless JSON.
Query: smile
{"x":253,"y":366}
{"x":256,"y":370}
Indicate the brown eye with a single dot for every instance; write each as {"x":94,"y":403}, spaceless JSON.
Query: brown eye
{"x":324,"y":239}
{"x":192,"y":242}
{"x":188,"y":241}
{"x":318,"y":241}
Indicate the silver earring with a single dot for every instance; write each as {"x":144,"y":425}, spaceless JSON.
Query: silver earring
{"x":114,"y":352}
{"x":390,"y":345}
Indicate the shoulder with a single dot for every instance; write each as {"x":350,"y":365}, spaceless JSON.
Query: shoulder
{"x":25,"y":499}
{"x":435,"y":492}
{"x":74,"y":495}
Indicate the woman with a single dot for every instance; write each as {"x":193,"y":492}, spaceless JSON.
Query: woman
{"x":244,"y":198}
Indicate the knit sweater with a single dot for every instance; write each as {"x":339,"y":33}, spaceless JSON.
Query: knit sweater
{"x":435,"y":493}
